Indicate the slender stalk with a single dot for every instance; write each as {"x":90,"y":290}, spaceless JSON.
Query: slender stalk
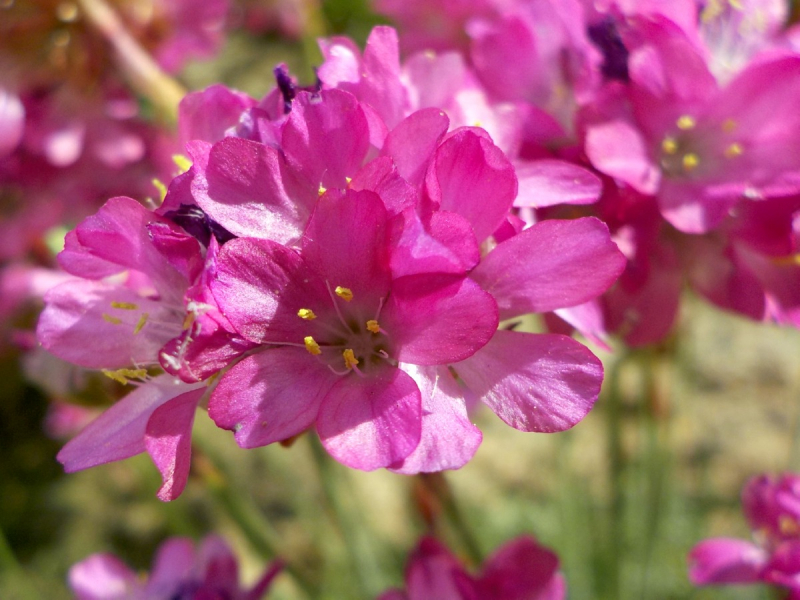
{"x":437,"y":485}
{"x":142,"y":72}
{"x":10,"y":566}
{"x":335,"y":507}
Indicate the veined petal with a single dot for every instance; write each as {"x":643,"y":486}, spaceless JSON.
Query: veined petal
{"x":471,"y":176}
{"x":534,"y":382}
{"x":374,"y":422}
{"x":270,"y":396}
{"x":260,"y":286}
{"x":168,"y":439}
{"x":521,"y":570}
{"x":82,"y":324}
{"x":119,"y":432}
{"x":548,"y":182}
{"x":449,"y":440}
{"x":553,"y":264}
{"x":412,"y":143}
{"x":438,"y":319}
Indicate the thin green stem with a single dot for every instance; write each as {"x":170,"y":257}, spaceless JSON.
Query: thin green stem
{"x":10,"y":566}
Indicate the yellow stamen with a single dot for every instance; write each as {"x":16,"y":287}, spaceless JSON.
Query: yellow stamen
{"x":124,"y":305}
{"x":728,"y":126}
{"x":113,"y":320}
{"x":124,"y":375}
{"x":344,"y":293}
{"x":373,"y":326}
{"x":183,"y":163}
{"x":788,"y":526}
{"x":669,"y":145}
{"x":712,"y":10}
{"x":162,"y":189}
{"x":685,"y":122}
{"x":307,"y":314}
{"x":141,"y":323}
{"x":348,"y":180}
{"x":350,"y":359}
{"x":736,"y":4}
{"x":67,"y":12}
{"x":311,"y":345}
{"x":734,"y":150}
{"x":321,"y":190}
{"x":690,"y":161}
{"x":188,"y":320}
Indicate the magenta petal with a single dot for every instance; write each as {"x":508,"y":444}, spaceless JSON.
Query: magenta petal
{"x":412,"y":143}
{"x":347,"y":243}
{"x":556,"y":264}
{"x":206,"y":115}
{"x":438,"y":319}
{"x":431,"y":572}
{"x":270,"y":396}
{"x":549,"y":182}
{"x":119,"y":432}
{"x":326,"y":137}
{"x":373,"y":422}
{"x":472,"y":177}
{"x":534,"y":382}
{"x":381,"y":86}
{"x":216,"y":561}
{"x":449,"y":439}
{"x":617,"y":148}
{"x":260,"y":286}
{"x":102,"y":577}
{"x":79,"y":324}
{"x":168,"y":439}
{"x":172,"y":566}
{"x":726,"y":560}
{"x":246,"y":192}
{"x":521,"y":570}
{"x":12,"y":122}
{"x":380,"y":176}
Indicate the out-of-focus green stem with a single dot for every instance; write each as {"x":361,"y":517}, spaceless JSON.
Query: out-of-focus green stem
{"x":11,"y":567}
{"x":335,"y":507}
{"x":241,"y":509}
{"x":437,"y":485}
{"x":142,"y":72}
{"x":616,"y":468}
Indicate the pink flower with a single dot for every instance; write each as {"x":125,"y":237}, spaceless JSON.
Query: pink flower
{"x":178,"y":571}
{"x":772,"y":507}
{"x":519,"y":570}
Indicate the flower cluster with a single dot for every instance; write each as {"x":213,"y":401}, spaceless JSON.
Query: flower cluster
{"x":178,"y":571}
{"x":342,"y":274}
{"x":772,"y":508}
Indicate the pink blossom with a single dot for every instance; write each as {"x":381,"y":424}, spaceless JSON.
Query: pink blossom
{"x":519,"y":570}
{"x":179,"y":570}
{"x":772,"y":508}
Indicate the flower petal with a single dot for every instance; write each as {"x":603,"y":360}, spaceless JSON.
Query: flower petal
{"x":102,"y":577}
{"x":534,"y":382}
{"x":549,"y":182}
{"x":726,"y":560}
{"x":553,"y":264}
{"x":449,"y":440}
{"x":270,"y":396}
{"x":371,"y":422}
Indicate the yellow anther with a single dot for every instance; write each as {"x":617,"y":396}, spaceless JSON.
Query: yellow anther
{"x":183,"y":163}
{"x":348,"y":180}
{"x":728,"y":125}
{"x":669,"y":145}
{"x":736,"y":5}
{"x":344,"y":293}
{"x":350,"y":359}
{"x":788,"y":526}
{"x":141,"y":323}
{"x":477,"y":124}
{"x":712,"y":10}
{"x":429,"y":54}
{"x":734,"y":150}
{"x":124,"y":375}
{"x":162,"y":189}
{"x":311,"y":345}
{"x":113,"y":320}
{"x":321,"y":190}
{"x":307,"y":314}
{"x":188,"y":320}
{"x":373,"y":326}
{"x":685,"y":122}
{"x":124,"y":305}
{"x":690,"y":161}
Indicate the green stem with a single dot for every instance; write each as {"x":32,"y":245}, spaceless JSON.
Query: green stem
{"x":616,"y":468}
{"x":360,"y":563}
{"x":143,"y":73}
{"x":438,"y":486}
{"x":10,"y":565}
